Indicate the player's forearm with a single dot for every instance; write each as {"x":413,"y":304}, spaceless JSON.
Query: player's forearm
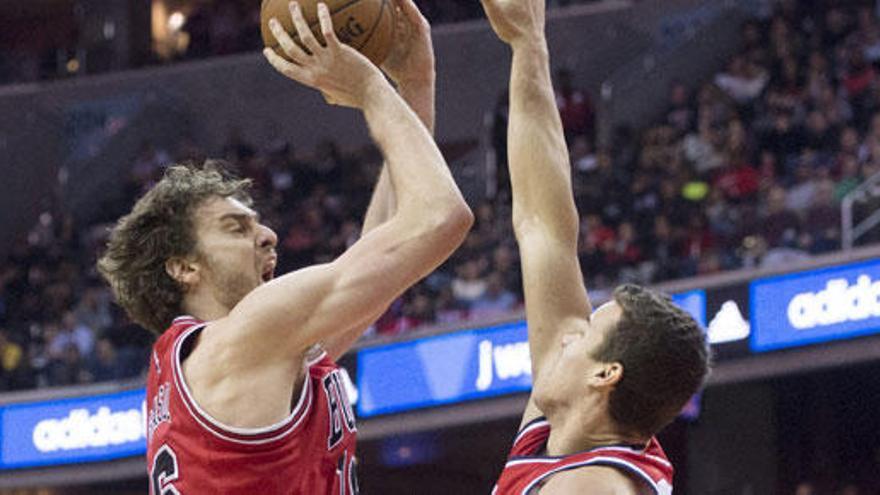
{"x":539,"y":164}
{"x":423,"y":186}
{"x":420,"y":96}
{"x":382,"y":203}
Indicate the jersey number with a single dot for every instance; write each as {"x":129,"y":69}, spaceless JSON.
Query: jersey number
{"x":348,"y":485}
{"x":164,"y":472}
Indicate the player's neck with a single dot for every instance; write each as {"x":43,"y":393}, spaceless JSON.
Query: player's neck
{"x":574,"y":432}
{"x":204,"y":307}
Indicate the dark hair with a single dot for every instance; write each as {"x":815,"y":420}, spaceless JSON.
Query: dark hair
{"x":161,"y":226}
{"x":665,"y":358}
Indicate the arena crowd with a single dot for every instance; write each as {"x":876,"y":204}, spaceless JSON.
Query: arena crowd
{"x":743,"y":170}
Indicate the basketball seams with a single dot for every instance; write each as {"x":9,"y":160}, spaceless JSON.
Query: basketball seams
{"x":376,"y":24}
{"x":339,"y":9}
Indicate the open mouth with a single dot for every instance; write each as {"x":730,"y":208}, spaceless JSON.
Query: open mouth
{"x":269,"y":270}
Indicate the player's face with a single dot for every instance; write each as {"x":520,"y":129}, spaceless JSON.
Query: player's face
{"x":573,"y":376}
{"x":236,"y":252}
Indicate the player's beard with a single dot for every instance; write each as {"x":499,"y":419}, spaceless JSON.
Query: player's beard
{"x":231,"y":283}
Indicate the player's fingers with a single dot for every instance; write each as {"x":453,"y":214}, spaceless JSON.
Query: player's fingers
{"x":290,"y":48}
{"x":329,"y":99}
{"x":488,"y":6}
{"x":289,"y":69}
{"x":302,"y":28}
{"x":412,"y":13}
{"x":327,"y":25}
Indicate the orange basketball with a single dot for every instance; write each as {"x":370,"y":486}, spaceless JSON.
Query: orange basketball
{"x":365,"y":25}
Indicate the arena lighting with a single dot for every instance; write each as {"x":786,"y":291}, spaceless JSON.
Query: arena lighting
{"x":176,"y":21}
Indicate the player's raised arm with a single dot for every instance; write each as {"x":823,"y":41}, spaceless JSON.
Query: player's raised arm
{"x":544,"y":214}
{"x":298,"y":310}
{"x":411,"y":66}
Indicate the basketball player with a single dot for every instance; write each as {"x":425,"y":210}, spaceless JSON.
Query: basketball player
{"x":244,"y":396}
{"x":605,"y":382}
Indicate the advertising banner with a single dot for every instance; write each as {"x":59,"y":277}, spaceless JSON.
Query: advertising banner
{"x":815,"y":306}
{"x":68,"y":431}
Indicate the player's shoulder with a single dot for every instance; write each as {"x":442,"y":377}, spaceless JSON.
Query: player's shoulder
{"x":596,"y":480}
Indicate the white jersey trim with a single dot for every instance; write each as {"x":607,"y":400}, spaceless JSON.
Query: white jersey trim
{"x":303,"y":405}
{"x":604,"y":461}
{"x":530,"y":427}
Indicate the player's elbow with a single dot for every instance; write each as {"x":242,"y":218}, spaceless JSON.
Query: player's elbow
{"x":527,"y":225}
{"x":454,"y":221}
{"x":441,"y":224}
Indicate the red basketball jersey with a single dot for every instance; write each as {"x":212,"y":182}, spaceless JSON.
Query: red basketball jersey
{"x":311,"y":452}
{"x":526,"y":471}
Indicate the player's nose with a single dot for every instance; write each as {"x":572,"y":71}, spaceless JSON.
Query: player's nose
{"x":267,"y":237}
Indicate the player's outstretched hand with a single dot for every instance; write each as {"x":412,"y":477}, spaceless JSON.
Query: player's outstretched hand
{"x":338,"y":71}
{"x":412,"y":58}
{"x":516,"y":21}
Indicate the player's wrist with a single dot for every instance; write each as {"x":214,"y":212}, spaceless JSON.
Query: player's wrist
{"x":533,"y":44}
{"x":375,"y":89}
{"x":422,"y":79}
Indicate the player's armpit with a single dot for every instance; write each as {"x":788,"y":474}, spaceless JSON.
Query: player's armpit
{"x":595,"y":480}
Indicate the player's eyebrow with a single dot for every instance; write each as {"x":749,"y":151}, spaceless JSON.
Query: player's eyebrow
{"x":239,"y":217}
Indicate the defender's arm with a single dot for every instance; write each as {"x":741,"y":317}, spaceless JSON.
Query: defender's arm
{"x":544,"y":214}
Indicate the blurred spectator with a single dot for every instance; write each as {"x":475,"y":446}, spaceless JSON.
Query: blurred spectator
{"x":93,"y":310}
{"x":497,"y":301}
{"x":785,"y":138}
{"x":68,"y":368}
{"x":448,"y":309}
{"x":850,"y":489}
{"x":743,"y":81}
{"x":469,"y":284}
{"x":702,"y":148}
{"x":849,"y":177}
{"x":823,"y":220}
{"x":505,"y":263}
{"x":104,"y":365}
{"x":779,"y":225}
{"x":500,"y":118}
{"x":803,"y":188}
{"x":680,"y":115}
{"x":805,"y":488}
{"x":575,"y":107}
{"x":72,"y":332}
{"x":662,"y":250}
{"x":582,"y":156}
{"x":12,"y":363}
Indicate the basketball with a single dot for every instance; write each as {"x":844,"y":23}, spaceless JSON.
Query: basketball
{"x":365,"y":25}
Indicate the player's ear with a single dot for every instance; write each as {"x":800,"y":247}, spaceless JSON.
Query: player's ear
{"x":607,"y":375}
{"x":183,"y":270}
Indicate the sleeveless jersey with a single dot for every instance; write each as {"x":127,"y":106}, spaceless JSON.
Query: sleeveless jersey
{"x":311,"y":452}
{"x":526,"y":471}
